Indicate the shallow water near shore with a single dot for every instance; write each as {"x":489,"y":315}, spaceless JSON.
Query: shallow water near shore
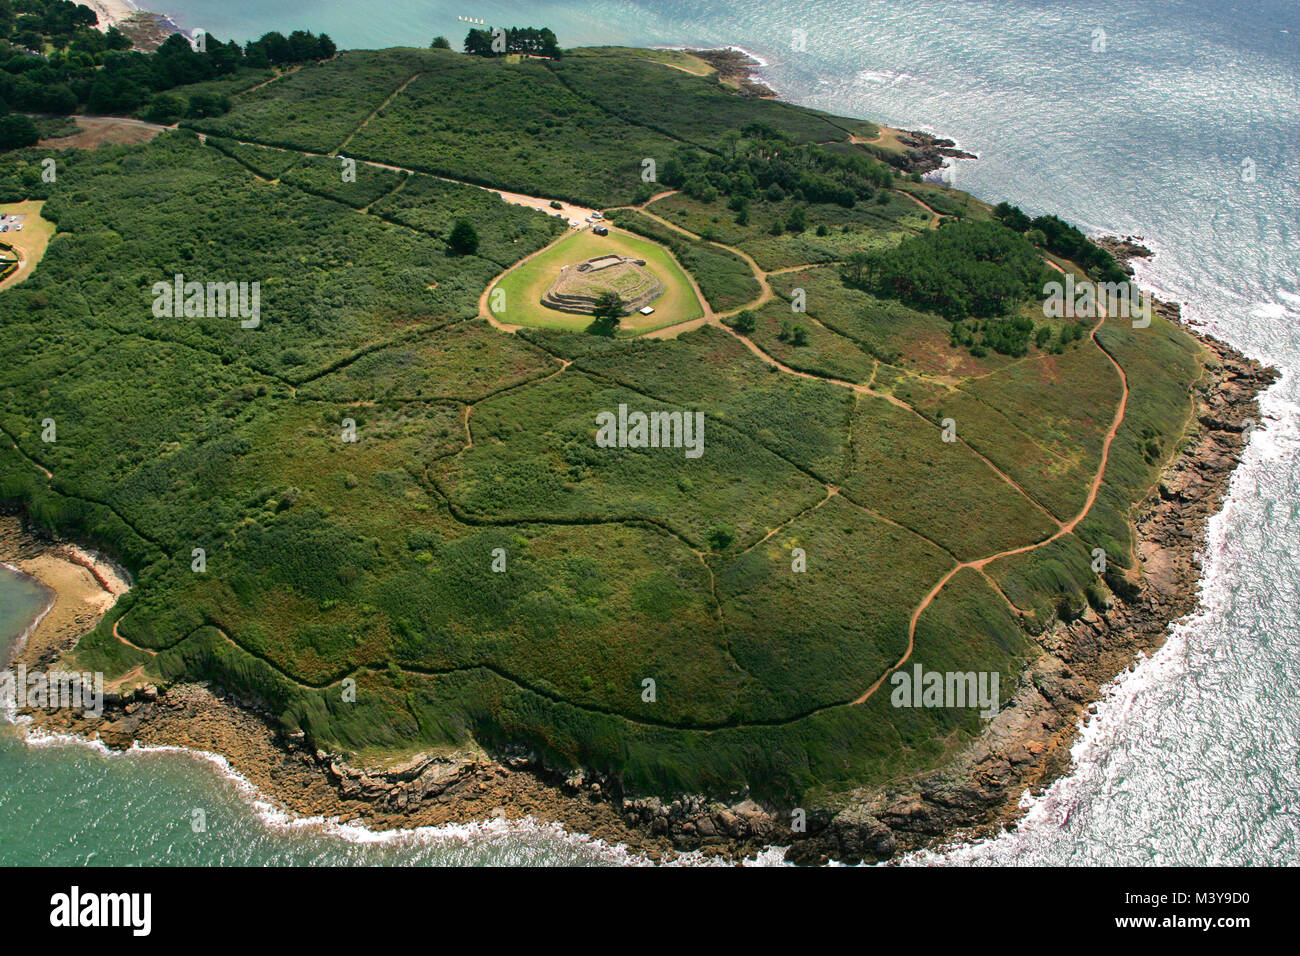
{"x":22,"y":599}
{"x":68,"y":803}
{"x":1191,"y":758}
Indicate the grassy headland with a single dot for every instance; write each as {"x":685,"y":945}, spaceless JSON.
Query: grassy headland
{"x":863,"y":313}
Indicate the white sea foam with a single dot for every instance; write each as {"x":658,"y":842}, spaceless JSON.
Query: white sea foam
{"x":881,"y":76}
{"x":758,"y":60}
{"x":468,"y":833}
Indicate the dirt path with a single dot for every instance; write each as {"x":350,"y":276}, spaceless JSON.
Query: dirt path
{"x":391,"y":96}
{"x":711,"y":317}
{"x":935,"y":216}
{"x":484,"y":312}
{"x":1065,"y":528}
{"x":279,"y":76}
{"x":20,"y":271}
{"x":569,"y":210}
{"x":766,"y":295}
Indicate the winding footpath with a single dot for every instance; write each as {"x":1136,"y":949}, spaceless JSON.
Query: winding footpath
{"x":710,"y":317}
{"x":979,"y":564}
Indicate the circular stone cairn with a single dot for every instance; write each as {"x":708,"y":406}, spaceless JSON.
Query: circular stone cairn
{"x":579,"y":286}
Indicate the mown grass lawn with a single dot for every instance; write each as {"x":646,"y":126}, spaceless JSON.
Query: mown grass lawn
{"x":525,"y":285}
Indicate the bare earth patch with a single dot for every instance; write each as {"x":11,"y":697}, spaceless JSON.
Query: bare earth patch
{"x":98,"y":130}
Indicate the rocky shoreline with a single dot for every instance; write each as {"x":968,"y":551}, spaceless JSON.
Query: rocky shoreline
{"x":926,"y":152}
{"x":737,"y":69}
{"x":1124,"y":250}
{"x":913,"y":151}
{"x":1026,"y":747}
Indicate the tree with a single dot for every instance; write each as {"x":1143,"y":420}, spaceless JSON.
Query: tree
{"x":463,"y":240}
{"x":17,"y":132}
{"x":117,"y":40}
{"x":730,"y":141}
{"x":208,"y":104}
{"x":440,"y":43}
{"x":721,"y":537}
{"x":479,"y":43}
{"x":799,"y":335}
{"x":1011,"y":216}
{"x":797,"y":221}
{"x":608,"y":312}
{"x":304,"y":46}
{"x":745,"y":322}
{"x":165,"y":108}
{"x":529,"y":40}
{"x":856,"y":267}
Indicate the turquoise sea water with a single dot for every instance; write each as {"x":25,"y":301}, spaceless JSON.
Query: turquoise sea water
{"x":1193,"y":757}
{"x":21,"y":600}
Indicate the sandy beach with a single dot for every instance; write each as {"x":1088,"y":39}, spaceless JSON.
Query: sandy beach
{"x":85,"y":586}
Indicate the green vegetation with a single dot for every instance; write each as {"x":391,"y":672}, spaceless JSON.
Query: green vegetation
{"x":354,"y":463}
{"x":505,"y":232}
{"x":961,"y":269}
{"x":642,"y":92}
{"x":880,"y":223}
{"x":608,"y":312}
{"x":53,"y":60}
{"x":725,"y":279}
{"x":1062,"y":239}
{"x":528,"y":40}
{"x":17,"y":131}
{"x":763,"y":159}
{"x":357,"y":185}
{"x":517,"y":298}
{"x":463,"y":239}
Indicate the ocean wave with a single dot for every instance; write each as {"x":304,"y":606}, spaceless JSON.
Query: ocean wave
{"x":885,"y":77}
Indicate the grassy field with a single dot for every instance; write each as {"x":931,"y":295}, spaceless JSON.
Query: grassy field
{"x":869,"y":225}
{"x":30,"y":244}
{"x":725,"y":279}
{"x":524,"y":286}
{"x":354,"y":464}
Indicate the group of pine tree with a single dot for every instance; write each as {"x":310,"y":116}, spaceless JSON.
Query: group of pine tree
{"x":532,"y":41}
